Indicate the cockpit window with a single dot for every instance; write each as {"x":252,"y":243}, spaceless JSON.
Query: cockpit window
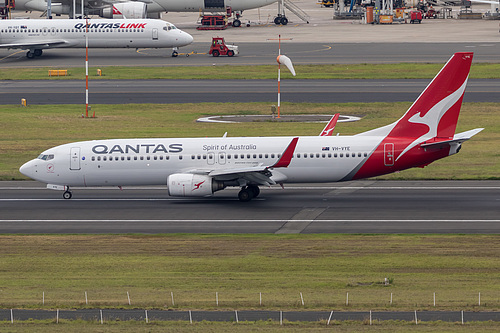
{"x":46,"y":157}
{"x":169,"y":27}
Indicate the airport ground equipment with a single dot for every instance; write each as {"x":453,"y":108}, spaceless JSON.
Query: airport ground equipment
{"x":415,"y":16}
{"x":327,"y":3}
{"x":219,"y":47}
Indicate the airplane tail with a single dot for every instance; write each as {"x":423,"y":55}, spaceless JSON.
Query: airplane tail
{"x":426,"y":132}
{"x":435,"y":112}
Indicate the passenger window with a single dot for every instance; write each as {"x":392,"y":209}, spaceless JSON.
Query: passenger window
{"x":272,"y":155}
{"x":93,"y":158}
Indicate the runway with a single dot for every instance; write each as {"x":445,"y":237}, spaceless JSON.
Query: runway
{"x":251,"y":53}
{"x":355,"y":207}
{"x":227,"y":91}
{"x":106,"y":315}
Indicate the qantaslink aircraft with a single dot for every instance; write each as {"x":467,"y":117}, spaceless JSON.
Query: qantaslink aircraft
{"x":198,"y":167}
{"x":37,"y":35}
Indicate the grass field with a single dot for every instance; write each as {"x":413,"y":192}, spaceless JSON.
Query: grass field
{"x":239,"y":267}
{"x":354,"y":71}
{"x":26,"y":132}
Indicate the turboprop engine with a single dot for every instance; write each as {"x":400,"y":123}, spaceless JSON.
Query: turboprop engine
{"x":126,"y":10}
{"x":191,"y":185}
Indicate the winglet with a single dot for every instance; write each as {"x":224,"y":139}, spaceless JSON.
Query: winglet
{"x":286,"y":158}
{"x":328,"y":130}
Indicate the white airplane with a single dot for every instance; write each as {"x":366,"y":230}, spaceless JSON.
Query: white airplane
{"x":36,"y":35}
{"x":198,"y":167}
{"x":140,"y":8}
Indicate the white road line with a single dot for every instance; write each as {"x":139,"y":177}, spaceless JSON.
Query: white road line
{"x":246,"y":221}
{"x":279,"y":188}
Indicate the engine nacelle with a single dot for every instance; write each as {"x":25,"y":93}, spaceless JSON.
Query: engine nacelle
{"x":190,"y":185}
{"x":126,"y":10}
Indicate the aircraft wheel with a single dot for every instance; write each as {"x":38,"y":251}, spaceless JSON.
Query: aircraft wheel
{"x":255,"y":190}
{"x":175,"y":54}
{"x":245,"y":195}
{"x":236,"y":23}
{"x":277,"y":20}
{"x":230,"y":53}
{"x":38,"y":52}
{"x":67,"y":195}
{"x":30,"y":55}
{"x":215,"y":53}
{"x":284,"y":20}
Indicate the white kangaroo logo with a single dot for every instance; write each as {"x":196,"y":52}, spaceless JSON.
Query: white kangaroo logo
{"x":433,"y":117}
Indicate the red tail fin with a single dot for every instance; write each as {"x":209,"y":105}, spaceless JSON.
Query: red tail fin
{"x":435,"y":112}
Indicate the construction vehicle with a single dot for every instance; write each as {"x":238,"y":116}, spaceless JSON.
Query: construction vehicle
{"x":219,"y":47}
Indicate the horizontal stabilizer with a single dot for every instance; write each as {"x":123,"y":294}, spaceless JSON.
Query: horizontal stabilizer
{"x":458,"y":138}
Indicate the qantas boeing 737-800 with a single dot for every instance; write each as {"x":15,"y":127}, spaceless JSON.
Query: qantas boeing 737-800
{"x":194,"y":167}
{"x":36,"y":35}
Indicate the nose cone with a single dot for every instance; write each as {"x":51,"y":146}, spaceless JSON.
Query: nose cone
{"x":29,"y":169}
{"x":185,"y":38}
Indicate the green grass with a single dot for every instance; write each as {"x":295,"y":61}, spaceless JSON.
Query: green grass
{"x":26,"y":132}
{"x":323,"y":267}
{"x":354,"y":71}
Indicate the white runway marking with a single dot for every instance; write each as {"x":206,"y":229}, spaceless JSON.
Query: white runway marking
{"x":246,"y":221}
{"x":279,"y":188}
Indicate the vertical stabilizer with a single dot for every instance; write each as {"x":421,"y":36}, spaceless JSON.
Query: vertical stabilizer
{"x":435,"y":112}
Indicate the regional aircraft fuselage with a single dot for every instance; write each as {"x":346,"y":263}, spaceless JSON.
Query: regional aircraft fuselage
{"x":36,"y":35}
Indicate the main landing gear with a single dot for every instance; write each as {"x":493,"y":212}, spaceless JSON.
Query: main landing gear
{"x":280,"y":19}
{"x":249,"y":192}
{"x":34,"y":53}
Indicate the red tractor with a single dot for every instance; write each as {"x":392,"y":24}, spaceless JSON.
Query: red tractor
{"x":219,"y":47}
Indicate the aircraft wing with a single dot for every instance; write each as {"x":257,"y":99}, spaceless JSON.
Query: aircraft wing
{"x":33,"y":45}
{"x":259,"y":174}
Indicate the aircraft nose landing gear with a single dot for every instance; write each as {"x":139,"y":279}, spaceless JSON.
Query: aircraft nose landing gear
{"x":67,"y":194}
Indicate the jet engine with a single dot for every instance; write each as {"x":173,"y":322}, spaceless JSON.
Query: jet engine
{"x":126,"y":10}
{"x":191,"y":185}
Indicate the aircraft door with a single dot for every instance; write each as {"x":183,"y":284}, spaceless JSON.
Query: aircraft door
{"x":155,"y":34}
{"x":389,"y":154}
{"x":214,"y":4}
{"x":211,"y":158}
{"x":75,"y":158}
{"x":44,"y":31}
{"x":222,"y":158}
{"x":52,"y":31}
